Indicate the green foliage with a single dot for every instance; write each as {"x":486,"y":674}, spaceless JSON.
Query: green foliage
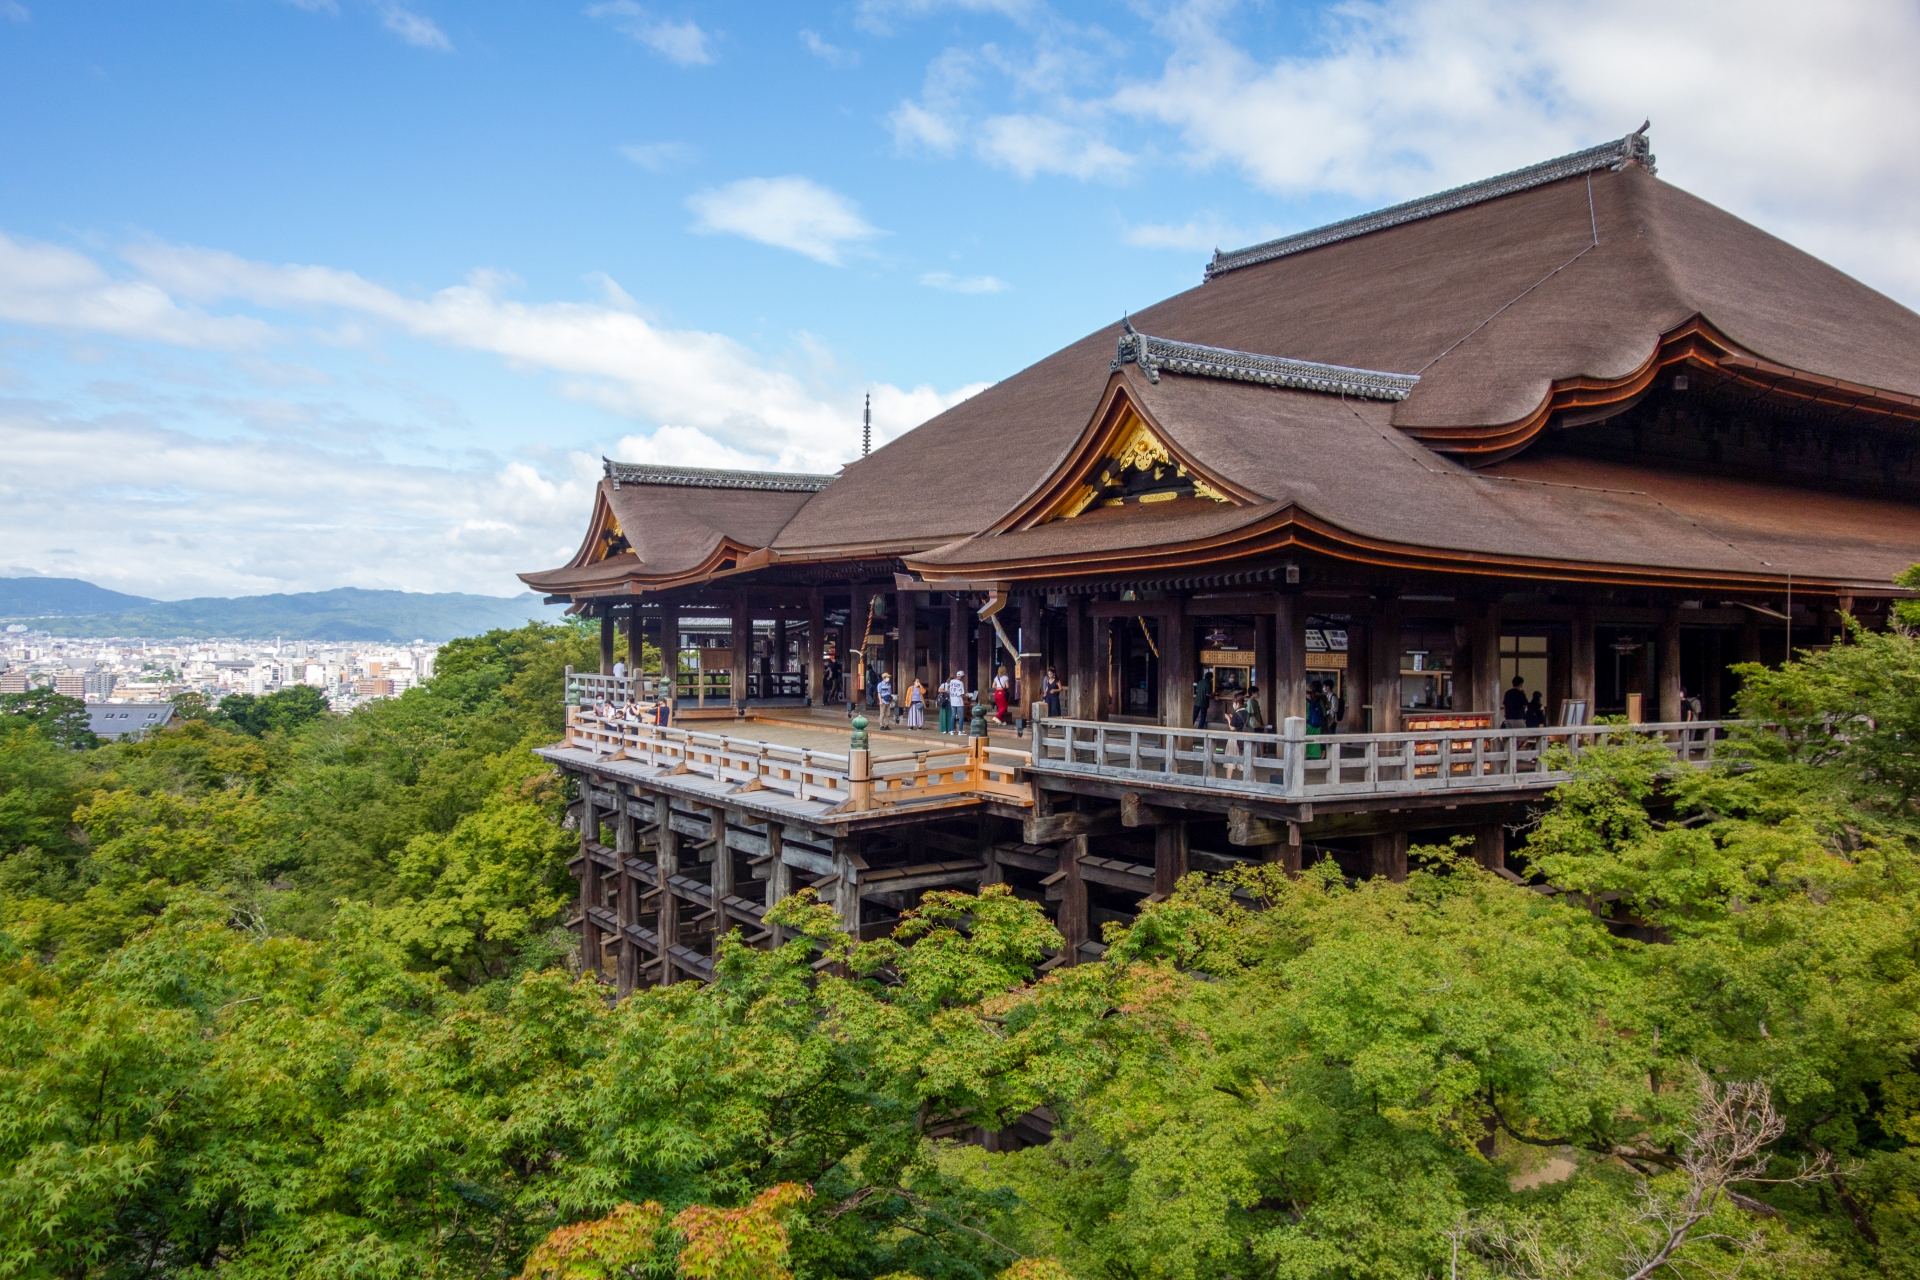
{"x":277,"y":712}
{"x":59,"y":719}
{"x":285,"y":999}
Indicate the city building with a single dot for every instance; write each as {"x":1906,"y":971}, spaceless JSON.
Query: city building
{"x":109,"y":720}
{"x":1570,"y":426}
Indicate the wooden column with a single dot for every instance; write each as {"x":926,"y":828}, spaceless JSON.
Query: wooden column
{"x":1580,"y":678}
{"x":1266,"y":673}
{"x":590,"y":958}
{"x":1078,"y":675}
{"x":1383,"y":662}
{"x":816,"y":649}
{"x":721,"y":881}
{"x":1289,"y":659}
{"x":1712,"y":696}
{"x":986,"y":658}
{"x":1169,"y":856}
{"x":855,"y":661}
{"x":1750,"y":638}
{"x":1558,"y":665}
{"x":779,"y":876}
{"x":1177,"y":668}
{"x":626,"y":905}
{"x":1490,"y":846}
{"x":846,"y":861}
{"x":779,"y":655}
{"x":742,"y":642}
{"x":606,"y":640}
{"x":1073,"y":899}
{"x":1485,"y":656}
{"x":666,"y":863}
{"x":1030,"y":674}
{"x":1388,"y":855}
{"x":956,"y":636}
{"x":670,"y":648}
{"x":1669,"y":661}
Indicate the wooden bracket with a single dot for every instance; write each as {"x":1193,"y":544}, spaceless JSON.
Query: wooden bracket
{"x":1136,"y":812}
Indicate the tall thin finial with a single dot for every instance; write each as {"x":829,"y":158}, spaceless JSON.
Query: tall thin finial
{"x":866,"y":427}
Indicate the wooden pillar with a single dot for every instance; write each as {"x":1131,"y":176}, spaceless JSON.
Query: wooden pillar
{"x":816,"y":649}
{"x":986,"y":658}
{"x":742,"y":642}
{"x":1177,"y":667}
{"x":666,"y":863}
{"x":1485,"y":655}
{"x":779,"y":876}
{"x":1580,"y":678}
{"x":846,"y":862}
{"x":1750,"y":638}
{"x":1073,"y":899}
{"x":1030,"y":674}
{"x":956,"y":636}
{"x":670,"y":648}
{"x":1669,"y":661}
{"x":855,"y":661}
{"x":1169,"y":856}
{"x":1078,"y":674}
{"x":606,"y":640}
{"x":1388,"y":853}
{"x":1266,"y":674}
{"x":721,"y":881}
{"x":1289,"y":659}
{"x":626,"y":905}
{"x":590,"y":957}
{"x":1559,"y":651}
{"x":779,"y":655}
{"x":1711,"y":705}
{"x":1490,"y":846}
{"x":1383,"y":661}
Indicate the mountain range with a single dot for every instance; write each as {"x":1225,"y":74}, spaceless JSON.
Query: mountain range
{"x":71,"y":607}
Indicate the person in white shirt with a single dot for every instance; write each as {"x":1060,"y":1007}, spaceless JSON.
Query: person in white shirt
{"x":957,"y":699}
{"x":619,"y":671}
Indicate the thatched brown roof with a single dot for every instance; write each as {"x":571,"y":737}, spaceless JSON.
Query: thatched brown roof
{"x":1510,"y":309}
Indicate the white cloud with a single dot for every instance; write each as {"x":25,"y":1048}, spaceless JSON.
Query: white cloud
{"x":964,"y":284}
{"x":914,"y":125}
{"x":682,"y":43}
{"x":42,"y":284}
{"x":14,"y":11}
{"x":790,"y":213}
{"x":833,"y":55}
{"x":1196,"y":235}
{"x":1029,"y":145}
{"x":204,"y":515}
{"x":656,"y":156}
{"x":316,"y":6}
{"x":1803,"y":118}
{"x":416,"y":30}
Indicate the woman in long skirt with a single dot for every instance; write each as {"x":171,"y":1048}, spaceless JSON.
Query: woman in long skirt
{"x":917,"y":706}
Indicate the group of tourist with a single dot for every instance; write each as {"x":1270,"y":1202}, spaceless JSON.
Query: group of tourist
{"x":631,"y":711}
{"x":952,"y":699}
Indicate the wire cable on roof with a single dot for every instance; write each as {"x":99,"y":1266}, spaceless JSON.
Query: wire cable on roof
{"x":1594,"y":218}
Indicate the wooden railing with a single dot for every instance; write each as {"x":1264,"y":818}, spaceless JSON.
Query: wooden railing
{"x":1296,"y":766}
{"x":856,"y":781}
{"x":585,"y":688}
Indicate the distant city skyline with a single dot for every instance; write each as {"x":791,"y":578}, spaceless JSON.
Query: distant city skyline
{"x":302,"y":294}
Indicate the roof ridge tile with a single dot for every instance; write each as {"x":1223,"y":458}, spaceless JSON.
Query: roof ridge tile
{"x":1634,"y":148}
{"x":1154,"y":354}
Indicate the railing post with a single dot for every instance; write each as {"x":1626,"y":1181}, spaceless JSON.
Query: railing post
{"x":1293,"y":746}
{"x":859,"y":771}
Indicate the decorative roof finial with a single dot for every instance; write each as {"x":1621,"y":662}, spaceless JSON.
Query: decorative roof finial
{"x":866,"y":427}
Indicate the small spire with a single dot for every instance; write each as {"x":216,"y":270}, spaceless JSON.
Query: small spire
{"x":866,"y":427}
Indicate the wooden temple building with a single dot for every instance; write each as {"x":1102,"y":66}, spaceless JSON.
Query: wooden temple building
{"x":1569,"y":424}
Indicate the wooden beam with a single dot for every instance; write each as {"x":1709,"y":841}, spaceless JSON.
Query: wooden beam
{"x":1135,"y":811}
{"x":590,"y":958}
{"x":1289,"y":674}
{"x":1052,"y":828}
{"x":626,"y":907}
{"x":1387,"y":855}
{"x":1669,"y":664}
{"x":1247,"y":829}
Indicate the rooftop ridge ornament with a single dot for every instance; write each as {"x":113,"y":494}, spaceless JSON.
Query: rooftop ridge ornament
{"x":1618,"y":154}
{"x":1155,"y":354}
{"x":711,"y":478}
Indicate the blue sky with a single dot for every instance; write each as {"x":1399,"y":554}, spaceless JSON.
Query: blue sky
{"x":307,"y":293}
